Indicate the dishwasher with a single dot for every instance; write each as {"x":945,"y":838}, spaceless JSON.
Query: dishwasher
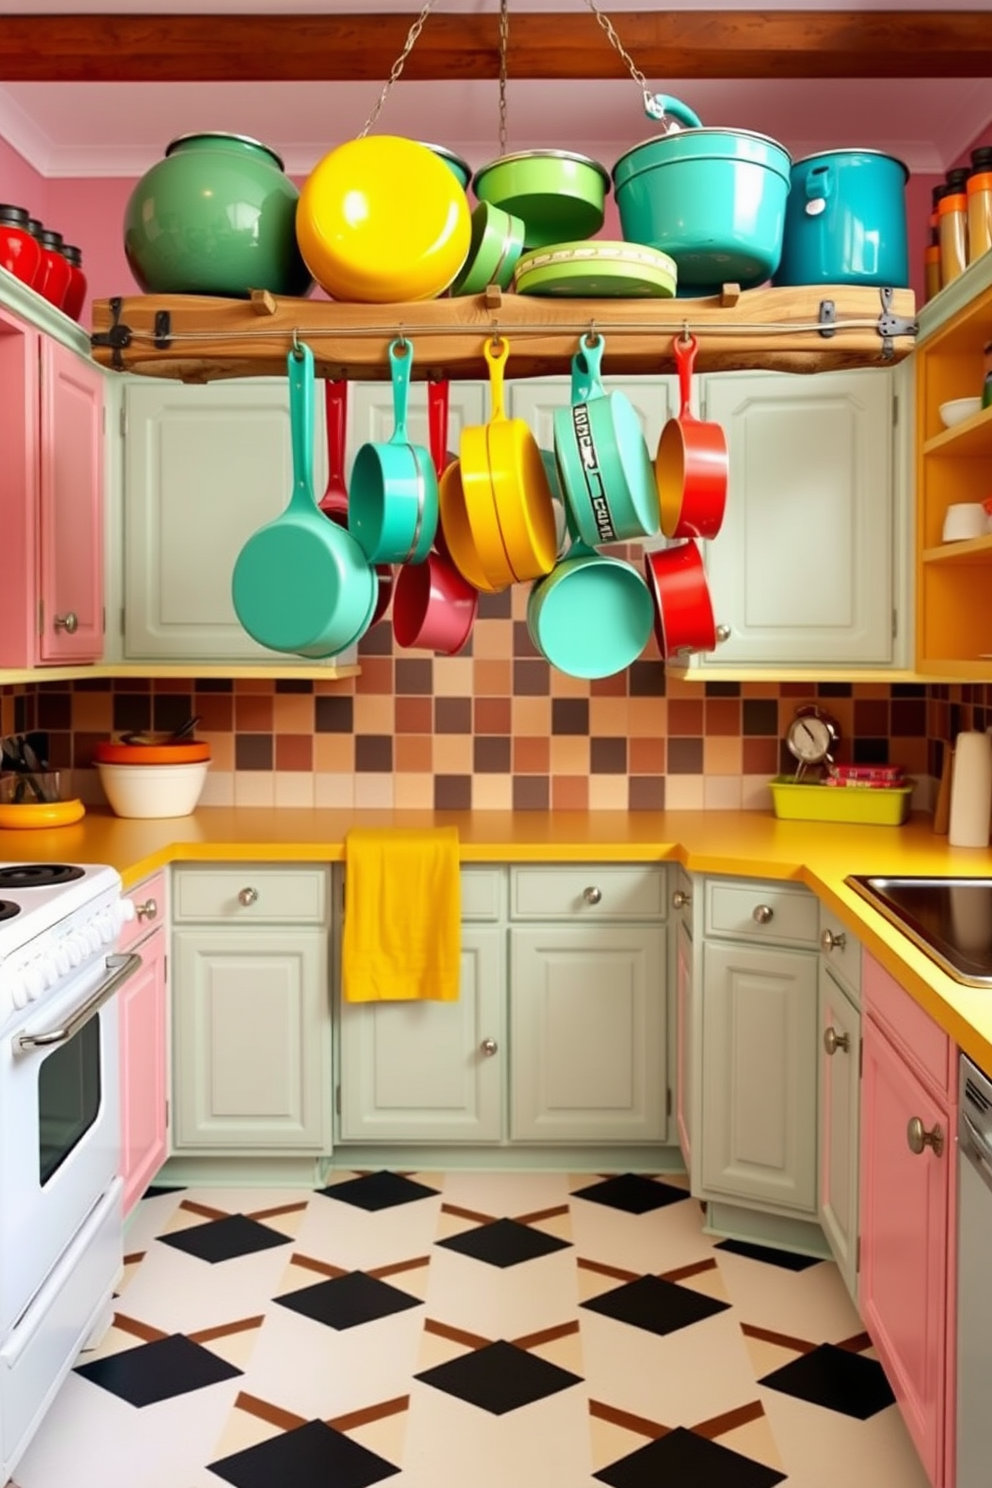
{"x":974,"y":1431}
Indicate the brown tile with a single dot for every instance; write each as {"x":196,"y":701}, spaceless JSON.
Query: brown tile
{"x":909,"y":716}
{"x":221,"y":749}
{"x":913,"y":754}
{"x":722,"y":716}
{"x":294,"y":684}
{"x":254,"y":714}
{"x":646,"y":756}
{"x":452,"y":793}
{"x":609,"y":716}
{"x":522,"y":643}
{"x":531,"y":793}
{"x":759,"y":756}
{"x":759,"y":715}
{"x":608,"y":756}
{"x":569,"y":754}
{"x":216,"y":712}
{"x":570,"y":793}
{"x":871,"y":718}
{"x":722,"y":754}
{"x":373,"y":753}
{"x":60,"y":747}
{"x":794,"y":689}
{"x":334,"y":754}
{"x":414,"y":676}
{"x":375,"y":713}
{"x":646,"y":793}
{"x":293,"y":713}
{"x":491,"y":715}
{"x":334,"y":715}
{"x":492,"y":639}
{"x":414,"y":715}
{"x":531,"y":678}
{"x":213,"y":684}
{"x":491,"y":755}
{"x":531,"y":756}
{"x":570,"y":715}
{"x":92,"y":711}
{"x":172,"y":684}
{"x":91,"y":684}
{"x":453,"y":676}
{"x":257,"y":685}
{"x":83,"y":746}
{"x":496,"y":606}
{"x":565,"y":686}
{"x":294,"y":751}
{"x":492,"y":678}
{"x":55,"y":709}
{"x":253,"y":751}
{"x":376,"y":642}
{"x":413,"y":754}
{"x":647,"y":718}
{"x":685,"y":756}
{"x":132,"y":684}
{"x":453,"y":754}
{"x":685,"y":716}
{"x":452,"y":715}
{"x":377,"y":675}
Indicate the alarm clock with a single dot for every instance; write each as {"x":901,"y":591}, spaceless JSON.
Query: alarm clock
{"x":812,"y":738}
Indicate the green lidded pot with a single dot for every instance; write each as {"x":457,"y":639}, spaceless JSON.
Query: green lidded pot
{"x":216,"y":216}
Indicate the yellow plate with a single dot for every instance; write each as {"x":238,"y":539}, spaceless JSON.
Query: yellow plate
{"x":40,"y":814}
{"x":383,"y":219}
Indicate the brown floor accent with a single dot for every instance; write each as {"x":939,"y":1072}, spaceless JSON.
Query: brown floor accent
{"x":461,"y":1213}
{"x":394,"y":1267}
{"x":266,"y":1411}
{"x":260,"y":1214}
{"x":730,"y":1420}
{"x":601,"y":1269}
{"x":144,"y":1331}
{"x":695,"y":1268}
{"x":456,"y":1335}
{"x":540,"y":1214}
{"x":546,"y":1335}
{"x":644,"y":1427}
{"x":370,"y":1413}
{"x":856,"y":1344}
{"x":224,"y":1330}
{"x":801,"y":1345}
{"x":192,"y":1207}
{"x":323,"y":1268}
{"x":132,"y":1260}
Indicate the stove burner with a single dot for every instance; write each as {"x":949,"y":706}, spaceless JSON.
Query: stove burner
{"x":8,"y":910}
{"x":38,"y":875}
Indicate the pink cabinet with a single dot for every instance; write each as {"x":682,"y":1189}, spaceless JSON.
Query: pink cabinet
{"x":142,"y":1003}
{"x":51,"y":501}
{"x":908,"y":1212}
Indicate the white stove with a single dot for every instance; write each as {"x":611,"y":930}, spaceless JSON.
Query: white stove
{"x":61,"y":1229}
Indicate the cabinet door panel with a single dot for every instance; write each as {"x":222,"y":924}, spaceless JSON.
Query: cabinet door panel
{"x":251,"y":1040}
{"x":371,"y":414}
{"x":759,"y":1075}
{"x":587,"y":1016}
{"x":839,"y":1097}
{"x":141,"y":1004}
{"x":683,"y":1042}
{"x":417,"y":1071}
{"x":801,"y":569}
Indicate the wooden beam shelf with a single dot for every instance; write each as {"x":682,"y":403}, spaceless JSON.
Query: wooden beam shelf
{"x":200,"y":338}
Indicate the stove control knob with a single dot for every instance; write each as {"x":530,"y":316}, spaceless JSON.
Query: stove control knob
{"x":62,"y":958}
{"x":34,"y":980}
{"x":124,"y":909}
{"x":105,"y":928}
{"x":19,"y":992}
{"x":75,"y":948}
{"x":49,"y":970}
{"x":91,"y":935}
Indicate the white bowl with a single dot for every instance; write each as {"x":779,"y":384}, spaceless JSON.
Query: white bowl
{"x":153,"y":790}
{"x":958,"y":410}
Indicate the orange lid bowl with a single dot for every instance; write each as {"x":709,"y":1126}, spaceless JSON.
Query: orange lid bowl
{"x":109,"y":753}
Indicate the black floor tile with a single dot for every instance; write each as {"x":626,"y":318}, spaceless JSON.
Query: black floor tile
{"x":348,"y":1301}
{"x":158,"y":1371}
{"x":375,"y":1191}
{"x":225,"y":1239}
{"x":656,"y":1305}
{"x":632,"y":1193}
{"x":836,"y":1379}
{"x":311,"y":1456}
{"x":505,"y":1242}
{"x":767,"y":1253}
{"x":155,"y":1190}
{"x":683,"y":1460}
{"x":499,"y":1378}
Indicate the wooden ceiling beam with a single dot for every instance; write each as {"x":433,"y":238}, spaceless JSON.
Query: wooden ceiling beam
{"x":548,"y":45}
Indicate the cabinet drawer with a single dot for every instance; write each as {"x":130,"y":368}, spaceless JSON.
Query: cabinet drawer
{"x":742,"y":910}
{"x":150,"y":906}
{"x":841,"y":950}
{"x":250,"y":895}
{"x":595,"y":891}
{"x":482,"y":893}
{"x":924,"y":1045}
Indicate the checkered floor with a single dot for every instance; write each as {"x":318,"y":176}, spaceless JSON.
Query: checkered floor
{"x":479,"y":1329}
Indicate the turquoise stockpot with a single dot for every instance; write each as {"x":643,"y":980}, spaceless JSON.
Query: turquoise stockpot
{"x":393,"y":495}
{"x":845,"y":221}
{"x":591,"y":616}
{"x":216,"y":216}
{"x":603,"y":459}
{"x":302,"y":583}
{"x":713,"y":199}
{"x":459,"y":168}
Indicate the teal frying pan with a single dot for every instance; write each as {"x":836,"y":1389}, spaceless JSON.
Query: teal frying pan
{"x":592,"y":615}
{"x":301,"y":583}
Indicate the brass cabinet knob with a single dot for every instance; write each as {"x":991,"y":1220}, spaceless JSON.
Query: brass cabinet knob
{"x":592,"y":895}
{"x":832,"y":1041}
{"x":489,"y":1047}
{"x":681,"y":900}
{"x":918,"y":1137}
{"x":69,"y":622}
{"x":762,"y":914}
{"x":247,"y":897}
{"x":831,"y":942}
{"x":146,"y":911}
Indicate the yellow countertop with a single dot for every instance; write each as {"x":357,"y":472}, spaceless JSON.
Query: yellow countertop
{"x":746,"y":843}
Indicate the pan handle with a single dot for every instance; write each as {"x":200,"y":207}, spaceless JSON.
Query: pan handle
{"x":497,"y":350}
{"x":586,"y":364}
{"x":400,"y":365}
{"x":437,"y":423}
{"x":336,"y":401}
{"x":685,"y":360}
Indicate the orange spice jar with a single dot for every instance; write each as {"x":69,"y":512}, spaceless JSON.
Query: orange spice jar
{"x":952,"y":225}
{"x":979,"y":196}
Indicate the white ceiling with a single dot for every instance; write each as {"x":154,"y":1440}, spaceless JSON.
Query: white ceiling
{"x":98,"y":129}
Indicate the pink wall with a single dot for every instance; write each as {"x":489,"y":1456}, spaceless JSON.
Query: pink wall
{"x":20,"y":183}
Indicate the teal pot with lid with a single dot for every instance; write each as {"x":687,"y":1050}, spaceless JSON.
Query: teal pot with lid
{"x":217,"y":216}
{"x":845,"y":221}
{"x":712,"y":199}
{"x":558,"y":194}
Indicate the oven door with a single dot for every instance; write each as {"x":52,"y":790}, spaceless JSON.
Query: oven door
{"x":59,"y":1126}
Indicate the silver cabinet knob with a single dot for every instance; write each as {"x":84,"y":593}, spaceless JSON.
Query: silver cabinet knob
{"x":489,"y":1047}
{"x":831,"y":942}
{"x":918,"y":1137}
{"x":723,"y":633}
{"x":248,"y":897}
{"x":592,"y":895}
{"x":832,"y":1041}
{"x":146,"y":911}
{"x":762,"y":913}
{"x":681,"y":900}
{"x":69,"y":622}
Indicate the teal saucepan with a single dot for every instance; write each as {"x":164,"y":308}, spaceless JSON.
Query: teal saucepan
{"x":558,"y":194}
{"x":591,"y":616}
{"x":393,"y":495}
{"x":301,"y":583}
{"x":603,"y":459}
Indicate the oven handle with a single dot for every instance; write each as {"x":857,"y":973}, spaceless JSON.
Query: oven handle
{"x":120,"y":968}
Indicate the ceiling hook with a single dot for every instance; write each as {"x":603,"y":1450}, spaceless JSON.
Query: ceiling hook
{"x":297,"y":344}
{"x":592,"y":335}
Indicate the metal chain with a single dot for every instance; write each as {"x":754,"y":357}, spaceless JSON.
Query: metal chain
{"x":399,"y":64}
{"x":504,"y":43}
{"x":650,"y":105}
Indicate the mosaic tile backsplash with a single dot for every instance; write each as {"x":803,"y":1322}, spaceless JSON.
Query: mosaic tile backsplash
{"x":495,"y":728}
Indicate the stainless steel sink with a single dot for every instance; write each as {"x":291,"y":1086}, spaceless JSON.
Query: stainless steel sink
{"x":950,"y":919}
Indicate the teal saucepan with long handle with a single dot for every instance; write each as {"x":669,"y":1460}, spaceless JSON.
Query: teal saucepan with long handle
{"x":592,"y":615}
{"x":301,"y":583}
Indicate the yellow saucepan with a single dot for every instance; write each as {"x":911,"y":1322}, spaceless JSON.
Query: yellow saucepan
{"x":457,"y":532}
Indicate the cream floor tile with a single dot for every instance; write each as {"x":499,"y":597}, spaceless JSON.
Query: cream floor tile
{"x":148,"y":1219}
{"x":506,"y":1195}
{"x":824,"y":1448}
{"x":647,"y":1244}
{"x":502,"y":1302}
{"x":812,"y":1304}
{"x":179,"y":1293}
{"x":346,"y":1236}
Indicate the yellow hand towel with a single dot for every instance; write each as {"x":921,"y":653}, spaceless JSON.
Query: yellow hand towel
{"x":402,"y":930}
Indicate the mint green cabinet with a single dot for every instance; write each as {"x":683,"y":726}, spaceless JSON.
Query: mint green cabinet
{"x":839,"y":1031}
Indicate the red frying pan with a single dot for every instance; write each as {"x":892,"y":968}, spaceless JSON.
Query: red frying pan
{"x":334,"y":502}
{"x":682,"y":605}
{"x":690,"y":466}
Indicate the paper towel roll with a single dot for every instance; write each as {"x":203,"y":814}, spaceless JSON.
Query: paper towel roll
{"x":971,"y":791}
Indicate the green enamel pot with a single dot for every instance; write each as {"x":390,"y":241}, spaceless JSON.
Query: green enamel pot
{"x":459,"y":168}
{"x":217,"y":216}
{"x":591,"y":616}
{"x":596,"y":270}
{"x":558,"y":194}
{"x":496,"y":244}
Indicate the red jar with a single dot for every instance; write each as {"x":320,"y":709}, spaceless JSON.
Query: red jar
{"x":75,"y":295}
{"x":20,"y":253}
{"x":57,"y":273}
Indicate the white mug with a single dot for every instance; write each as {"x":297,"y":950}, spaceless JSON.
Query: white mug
{"x":965,"y":519}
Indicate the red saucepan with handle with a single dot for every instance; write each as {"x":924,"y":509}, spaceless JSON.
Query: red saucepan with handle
{"x":334,"y":502}
{"x":683,"y":608}
{"x":690,"y":466}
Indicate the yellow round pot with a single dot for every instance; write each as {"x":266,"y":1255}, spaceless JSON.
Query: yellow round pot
{"x":383,"y":219}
